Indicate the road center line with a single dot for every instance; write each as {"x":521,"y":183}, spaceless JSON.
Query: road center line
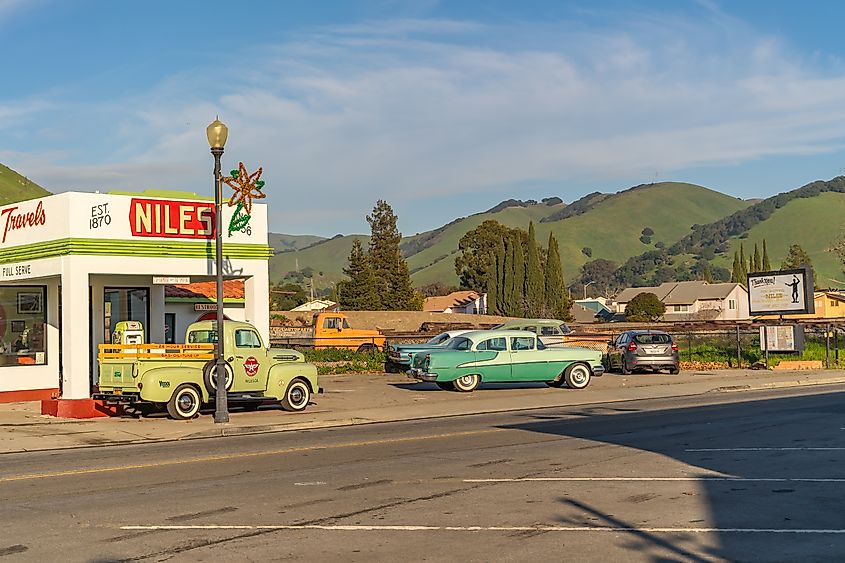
{"x":785,"y":449}
{"x":696,"y":479}
{"x":225,"y":457}
{"x":388,"y":528}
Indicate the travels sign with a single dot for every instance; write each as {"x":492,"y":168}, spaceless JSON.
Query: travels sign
{"x":785,"y":292}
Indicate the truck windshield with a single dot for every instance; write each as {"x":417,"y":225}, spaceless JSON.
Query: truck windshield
{"x":202,"y":337}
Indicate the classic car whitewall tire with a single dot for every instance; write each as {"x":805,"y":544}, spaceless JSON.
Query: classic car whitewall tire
{"x":577,"y":376}
{"x":467,"y":383}
{"x":297,"y":396}
{"x":185,"y":402}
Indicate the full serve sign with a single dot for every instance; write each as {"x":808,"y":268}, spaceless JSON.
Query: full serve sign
{"x":785,"y":292}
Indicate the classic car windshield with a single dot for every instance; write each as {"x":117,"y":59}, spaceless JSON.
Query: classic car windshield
{"x":439,"y":339}
{"x":459,"y":343}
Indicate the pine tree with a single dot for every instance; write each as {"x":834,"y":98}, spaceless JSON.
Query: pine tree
{"x":534,"y":286}
{"x":736,"y":272}
{"x":758,"y":261}
{"x":393,"y":278}
{"x":518,"y":277}
{"x":798,"y":258}
{"x":360,"y":291}
{"x":766,"y":265}
{"x":556,"y":299}
{"x":743,"y":272}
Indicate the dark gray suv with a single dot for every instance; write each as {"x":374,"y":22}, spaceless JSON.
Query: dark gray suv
{"x":643,"y":349}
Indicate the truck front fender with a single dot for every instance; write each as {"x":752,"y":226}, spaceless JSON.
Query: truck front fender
{"x":158,"y":383}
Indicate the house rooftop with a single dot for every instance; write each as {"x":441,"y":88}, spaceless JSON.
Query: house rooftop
{"x":680,"y":293}
{"x":454,"y":299}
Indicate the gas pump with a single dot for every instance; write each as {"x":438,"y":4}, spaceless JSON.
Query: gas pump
{"x":128,"y":332}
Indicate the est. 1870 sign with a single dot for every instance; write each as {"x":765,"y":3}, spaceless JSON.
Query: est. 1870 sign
{"x":785,"y":292}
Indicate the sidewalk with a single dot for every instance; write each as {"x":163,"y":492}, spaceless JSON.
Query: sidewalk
{"x":360,"y":399}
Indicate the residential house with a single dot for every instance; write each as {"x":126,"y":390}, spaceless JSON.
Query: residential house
{"x":828,"y":304}
{"x":693,"y":300}
{"x":458,"y":302}
{"x":316,"y":306}
{"x":590,"y":310}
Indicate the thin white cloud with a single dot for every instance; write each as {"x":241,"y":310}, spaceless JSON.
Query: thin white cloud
{"x":407,"y":109}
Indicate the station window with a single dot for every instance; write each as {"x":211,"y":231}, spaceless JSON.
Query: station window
{"x":23,"y":325}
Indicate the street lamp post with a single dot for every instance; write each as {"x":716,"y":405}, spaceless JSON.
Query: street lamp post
{"x":217,"y":133}
{"x":587,"y":285}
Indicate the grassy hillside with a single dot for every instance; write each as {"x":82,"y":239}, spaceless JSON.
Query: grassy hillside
{"x":611,"y":228}
{"x":14,"y":187}
{"x":282,"y":243}
{"x":811,"y":216}
{"x":814,"y":223}
{"x":611,"y":225}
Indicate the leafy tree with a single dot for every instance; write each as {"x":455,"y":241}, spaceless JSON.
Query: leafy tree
{"x":797,"y":258}
{"x":648,"y":231}
{"x":437,"y":288}
{"x":284,"y":297}
{"x":644,"y":307}
{"x":361,"y":291}
{"x":477,"y":248}
{"x":645,"y":239}
{"x":766,"y":265}
{"x":534,"y":284}
{"x":599,"y":274}
{"x":587,"y":251}
{"x":557,"y":300}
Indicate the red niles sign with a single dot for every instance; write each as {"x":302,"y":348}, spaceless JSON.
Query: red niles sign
{"x":171,"y":219}
{"x":14,"y":221}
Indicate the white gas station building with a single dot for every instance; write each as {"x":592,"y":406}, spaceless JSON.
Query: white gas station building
{"x":74,"y":264}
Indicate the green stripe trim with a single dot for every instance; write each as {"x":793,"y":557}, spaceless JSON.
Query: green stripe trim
{"x":145,"y":248}
{"x":230,"y":300}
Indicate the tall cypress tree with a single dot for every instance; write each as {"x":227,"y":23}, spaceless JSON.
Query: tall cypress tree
{"x":500,"y":277}
{"x":360,"y":291}
{"x":758,"y":261}
{"x":743,"y":265}
{"x":534,"y":284}
{"x":518,"y":277}
{"x":507,"y":278}
{"x":736,"y":272}
{"x":556,"y":301}
{"x":492,"y":287}
{"x":766,"y":265}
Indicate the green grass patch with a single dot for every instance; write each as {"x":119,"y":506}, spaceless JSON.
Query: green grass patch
{"x":337,"y":361}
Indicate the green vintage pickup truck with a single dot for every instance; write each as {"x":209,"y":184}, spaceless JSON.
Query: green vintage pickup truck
{"x":181,"y":377}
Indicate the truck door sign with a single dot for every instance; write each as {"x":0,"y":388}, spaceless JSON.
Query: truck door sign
{"x":251,"y":366}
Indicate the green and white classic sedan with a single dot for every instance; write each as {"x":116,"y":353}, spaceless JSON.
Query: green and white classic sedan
{"x":501,"y":356}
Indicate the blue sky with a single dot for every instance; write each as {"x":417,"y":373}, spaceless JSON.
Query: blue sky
{"x":441,"y":108}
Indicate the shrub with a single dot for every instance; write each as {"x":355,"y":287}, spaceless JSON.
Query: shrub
{"x":644,"y":307}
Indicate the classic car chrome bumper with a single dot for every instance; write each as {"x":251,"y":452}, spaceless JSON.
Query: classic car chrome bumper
{"x":597,"y":370}
{"x":421,"y":375}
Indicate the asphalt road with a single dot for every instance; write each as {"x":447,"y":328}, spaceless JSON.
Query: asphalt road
{"x":752,"y":476}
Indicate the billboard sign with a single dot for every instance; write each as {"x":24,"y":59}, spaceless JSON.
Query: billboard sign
{"x":785,"y":292}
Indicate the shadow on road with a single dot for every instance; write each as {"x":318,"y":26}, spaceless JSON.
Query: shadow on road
{"x":411,"y":386}
{"x":794,"y":439}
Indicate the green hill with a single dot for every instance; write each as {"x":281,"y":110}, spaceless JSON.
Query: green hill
{"x":610,"y":224}
{"x":812,"y":216}
{"x":282,"y":243}
{"x":14,"y":187}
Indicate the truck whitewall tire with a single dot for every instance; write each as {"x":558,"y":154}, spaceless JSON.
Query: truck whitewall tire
{"x":209,"y":376}
{"x":297,"y":396}
{"x":185,"y":402}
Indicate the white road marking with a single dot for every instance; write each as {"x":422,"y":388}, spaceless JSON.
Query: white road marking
{"x":310,"y":483}
{"x":703,"y":478}
{"x":787,"y":449}
{"x":388,"y":528}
